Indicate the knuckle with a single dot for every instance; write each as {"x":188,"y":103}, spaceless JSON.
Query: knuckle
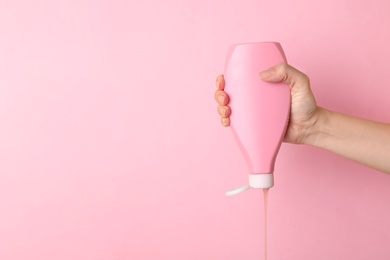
{"x":283,"y":71}
{"x":284,"y":67}
{"x":223,"y":111}
{"x":221,"y":97}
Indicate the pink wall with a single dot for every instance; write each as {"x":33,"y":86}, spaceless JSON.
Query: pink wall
{"x":111,"y":147}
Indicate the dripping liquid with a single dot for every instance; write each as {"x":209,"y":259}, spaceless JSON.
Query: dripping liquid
{"x":265,"y":193}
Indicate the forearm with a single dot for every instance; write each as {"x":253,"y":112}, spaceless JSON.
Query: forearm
{"x":360,"y":140}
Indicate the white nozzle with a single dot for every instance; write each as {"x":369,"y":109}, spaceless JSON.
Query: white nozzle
{"x":237,"y":191}
{"x":256,"y":181}
{"x":261,"y":181}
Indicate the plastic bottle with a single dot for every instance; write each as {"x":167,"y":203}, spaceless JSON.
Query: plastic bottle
{"x":259,"y":110}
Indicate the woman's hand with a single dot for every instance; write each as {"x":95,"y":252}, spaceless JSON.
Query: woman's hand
{"x":303,"y":105}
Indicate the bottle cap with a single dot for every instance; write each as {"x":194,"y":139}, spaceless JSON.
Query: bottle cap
{"x":256,"y":181}
{"x":261,"y":181}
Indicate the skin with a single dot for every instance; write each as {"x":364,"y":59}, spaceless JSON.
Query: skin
{"x":366,"y":142}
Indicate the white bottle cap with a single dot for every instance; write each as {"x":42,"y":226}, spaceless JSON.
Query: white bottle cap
{"x":261,"y":181}
{"x":257,"y":181}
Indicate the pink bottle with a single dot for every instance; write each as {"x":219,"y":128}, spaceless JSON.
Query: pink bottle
{"x":259,"y":110}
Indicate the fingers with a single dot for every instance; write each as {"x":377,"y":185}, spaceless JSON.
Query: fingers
{"x":284,"y":73}
{"x":220,"y":82}
{"x":224,"y":111}
{"x":225,"y":121}
{"x":222,"y":99}
{"x":221,"y":96}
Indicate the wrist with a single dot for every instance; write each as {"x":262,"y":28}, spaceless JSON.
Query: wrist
{"x":315,"y":127}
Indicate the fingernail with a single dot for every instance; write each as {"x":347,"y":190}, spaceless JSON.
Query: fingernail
{"x":265,"y":74}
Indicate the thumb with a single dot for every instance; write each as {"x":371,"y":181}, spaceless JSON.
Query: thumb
{"x":283,"y":73}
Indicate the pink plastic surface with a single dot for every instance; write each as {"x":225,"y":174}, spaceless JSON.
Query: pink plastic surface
{"x":260,"y":110}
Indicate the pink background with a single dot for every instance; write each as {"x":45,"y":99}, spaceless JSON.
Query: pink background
{"x":111,"y":147}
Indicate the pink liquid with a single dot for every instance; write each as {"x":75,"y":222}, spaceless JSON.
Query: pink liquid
{"x":265,"y":193}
